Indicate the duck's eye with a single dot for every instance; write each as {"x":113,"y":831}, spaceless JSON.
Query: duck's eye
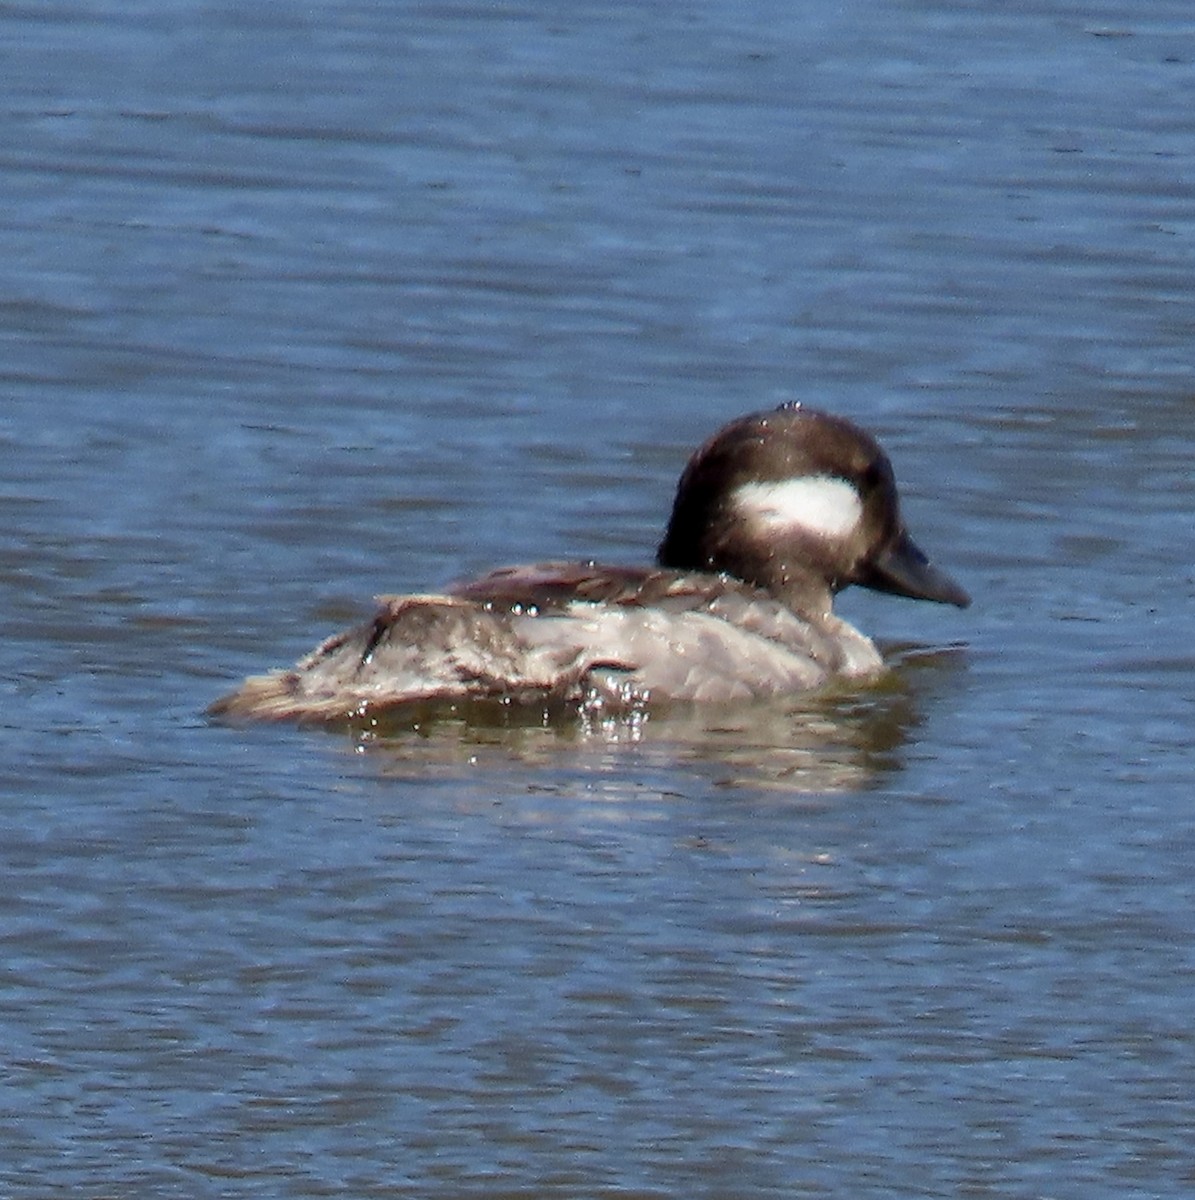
{"x":872,"y":478}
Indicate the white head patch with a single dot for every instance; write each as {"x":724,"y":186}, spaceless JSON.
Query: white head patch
{"x":819,"y":504}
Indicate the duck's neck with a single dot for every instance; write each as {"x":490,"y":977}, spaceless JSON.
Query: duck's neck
{"x":805,"y":592}
{"x":791,"y":583}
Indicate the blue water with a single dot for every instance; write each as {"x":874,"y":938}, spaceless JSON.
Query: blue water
{"x":304,"y":303}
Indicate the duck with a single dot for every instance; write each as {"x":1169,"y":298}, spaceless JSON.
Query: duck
{"x":773,"y":516}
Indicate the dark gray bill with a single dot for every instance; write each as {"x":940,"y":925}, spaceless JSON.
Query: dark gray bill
{"x":902,"y":567}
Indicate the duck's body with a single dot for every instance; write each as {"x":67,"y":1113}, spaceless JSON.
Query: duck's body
{"x":773,"y":515}
{"x":596,"y":637}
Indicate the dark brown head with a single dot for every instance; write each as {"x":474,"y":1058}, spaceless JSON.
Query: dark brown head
{"x":800,"y":503}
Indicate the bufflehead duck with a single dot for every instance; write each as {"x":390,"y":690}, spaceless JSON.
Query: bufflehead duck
{"x":773,"y":515}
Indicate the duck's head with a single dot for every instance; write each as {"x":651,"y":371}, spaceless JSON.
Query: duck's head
{"x":802,"y":504}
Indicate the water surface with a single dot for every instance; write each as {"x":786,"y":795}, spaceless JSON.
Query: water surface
{"x":302,"y":304}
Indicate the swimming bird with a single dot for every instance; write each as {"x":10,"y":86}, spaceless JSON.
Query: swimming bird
{"x":773,"y":515}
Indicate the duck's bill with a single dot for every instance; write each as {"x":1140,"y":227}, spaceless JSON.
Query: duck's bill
{"x":903,"y":568}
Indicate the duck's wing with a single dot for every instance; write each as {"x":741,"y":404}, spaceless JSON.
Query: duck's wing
{"x":480,"y":639}
{"x":423,"y":648}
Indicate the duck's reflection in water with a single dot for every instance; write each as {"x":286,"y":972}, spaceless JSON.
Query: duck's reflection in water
{"x":836,"y":741}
